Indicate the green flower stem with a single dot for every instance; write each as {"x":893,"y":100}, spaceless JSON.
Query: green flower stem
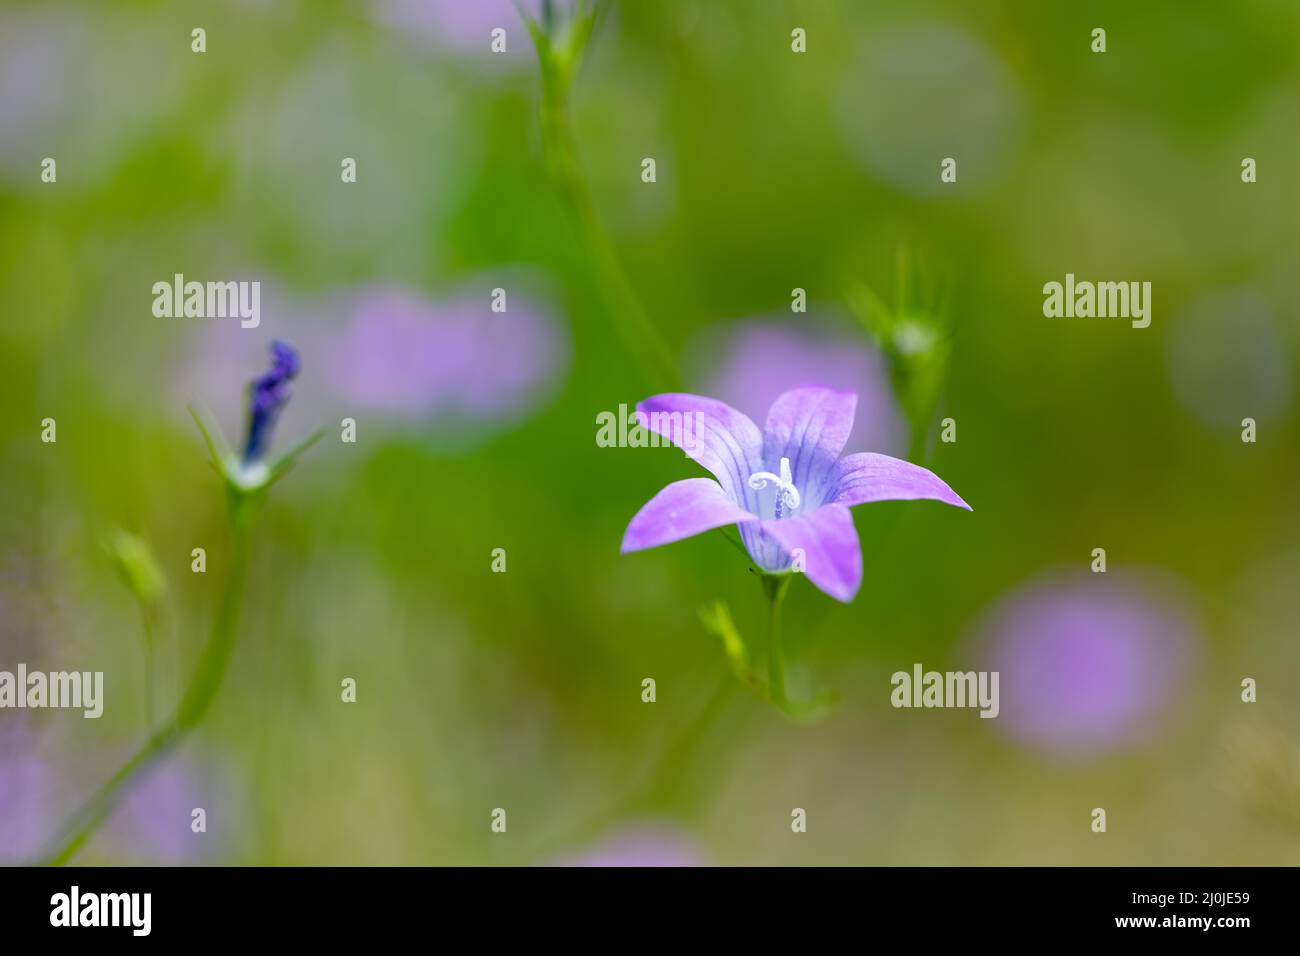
{"x":205,"y":683}
{"x":212,"y":666}
{"x":559,"y":63}
{"x":774,"y":588}
{"x":81,"y":826}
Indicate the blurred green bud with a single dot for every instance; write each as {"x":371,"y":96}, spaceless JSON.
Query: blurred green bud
{"x":135,"y":562}
{"x":716,"y":618}
{"x":914,"y":340}
{"x":914,"y":335}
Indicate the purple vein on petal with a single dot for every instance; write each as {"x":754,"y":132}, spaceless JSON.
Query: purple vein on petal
{"x":810,"y":426}
{"x":729,"y":445}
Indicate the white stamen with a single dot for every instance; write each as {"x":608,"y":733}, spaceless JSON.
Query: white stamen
{"x":787,"y":493}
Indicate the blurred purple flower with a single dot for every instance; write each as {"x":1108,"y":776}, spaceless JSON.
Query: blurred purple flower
{"x":464,"y":26}
{"x":646,"y":845}
{"x":450,"y":366}
{"x":29,"y":796}
{"x":40,"y":785}
{"x":1089,"y":663}
{"x":752,"y":362}
{"x":456,"y":360}
{"x":155,"y":822}
{"x":787,"y":487}
{"x":267,"y":396}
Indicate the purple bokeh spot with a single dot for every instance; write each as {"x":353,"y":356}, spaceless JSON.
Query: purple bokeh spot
{"x":1089,"y":663}
{"x":645,"y":845}
{"x":155,"y":822}
{"x":28,"y":788}
{"x":464,"y":26}
{"x":415,"y":358}
{"x":41,"y":784}
{"x":447,"y":366}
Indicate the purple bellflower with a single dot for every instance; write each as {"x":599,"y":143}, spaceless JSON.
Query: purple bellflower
{"x":266,"y":396}
{"x":787,"y":488}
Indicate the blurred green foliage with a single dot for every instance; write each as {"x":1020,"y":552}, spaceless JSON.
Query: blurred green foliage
{"x":522,"y":690}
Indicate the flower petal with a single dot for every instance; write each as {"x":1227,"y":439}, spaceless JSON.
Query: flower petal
{"x":714,"y":434}
{"x":832,"y":553}
{"x":810,"y":427}
{"x":682,"y":509}
{"x":858,"y":479}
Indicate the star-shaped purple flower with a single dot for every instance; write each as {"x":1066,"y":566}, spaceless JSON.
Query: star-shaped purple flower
{"x":786,"y":488}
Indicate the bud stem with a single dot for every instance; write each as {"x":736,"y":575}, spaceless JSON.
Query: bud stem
{"x":205,"y":683}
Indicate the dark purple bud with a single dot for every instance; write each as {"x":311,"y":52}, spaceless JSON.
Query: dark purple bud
{"x":266,"y":396}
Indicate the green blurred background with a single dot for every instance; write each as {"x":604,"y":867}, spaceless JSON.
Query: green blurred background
{"x":776,"y":170}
